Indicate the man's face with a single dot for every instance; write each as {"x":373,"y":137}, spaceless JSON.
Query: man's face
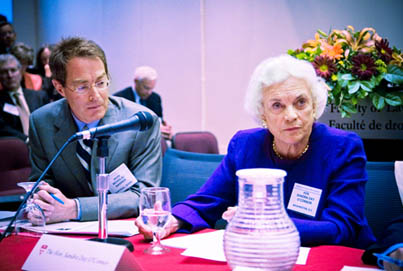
{"x":7,"y":35}
{"x":88,"y":74}
{"x":144,"y":88}
{"x":10,"y":75}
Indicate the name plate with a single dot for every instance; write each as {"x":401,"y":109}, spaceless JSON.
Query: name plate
{"x":63,"y":253}
{"x":304,"y":199}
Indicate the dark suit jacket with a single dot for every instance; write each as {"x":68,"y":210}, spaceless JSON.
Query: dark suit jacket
{"x":153,"y":102}
{"x":53,"y":124}
{"x":10,"y":125}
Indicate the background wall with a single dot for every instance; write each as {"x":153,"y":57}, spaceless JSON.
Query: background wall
{"x":204,"y":50}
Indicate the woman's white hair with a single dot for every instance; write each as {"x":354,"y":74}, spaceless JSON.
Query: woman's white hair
{"x":278,"y":69}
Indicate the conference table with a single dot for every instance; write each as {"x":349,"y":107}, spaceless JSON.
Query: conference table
{"x":15,"y":249}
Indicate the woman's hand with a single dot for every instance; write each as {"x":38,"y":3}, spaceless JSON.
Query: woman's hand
{"x":229,"y":214}
{"x":172,"y":226}
{"x":55,"y":211}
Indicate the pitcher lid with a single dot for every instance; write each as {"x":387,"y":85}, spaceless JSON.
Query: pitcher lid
{"x":261,"y":173}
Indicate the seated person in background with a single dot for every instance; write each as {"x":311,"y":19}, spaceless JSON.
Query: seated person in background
{"x":25,"y":54}
{"x":7,"y":37}
{"x":80,"y":75}
{"x":16,"y":102}
{"x":392,"y":240}
{"x":42,"y":68}
{"x":145,"y":79}
{"x":287,"y":98}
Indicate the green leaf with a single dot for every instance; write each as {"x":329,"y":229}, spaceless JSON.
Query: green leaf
{"x":367,"y":85}
{"x":394,"y":75}
{"x":346,"y":76}
{"x":353,"y":87}
{"x":350,"y":108}
{"x":393,"y":100}
{"x":378,"y":101}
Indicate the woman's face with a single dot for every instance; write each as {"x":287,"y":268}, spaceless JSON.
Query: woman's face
{"x":288,"y":111}
{"x":45,"y":55}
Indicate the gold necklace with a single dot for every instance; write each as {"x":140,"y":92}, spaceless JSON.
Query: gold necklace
{"x":281,"y":157}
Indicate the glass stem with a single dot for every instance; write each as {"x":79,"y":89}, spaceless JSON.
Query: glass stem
{"x":156,"y":238}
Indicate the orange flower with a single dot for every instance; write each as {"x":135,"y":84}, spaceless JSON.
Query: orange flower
{"x":333,"y":52}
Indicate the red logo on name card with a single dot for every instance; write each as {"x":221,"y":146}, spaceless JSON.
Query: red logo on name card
{"x":43,"y":249}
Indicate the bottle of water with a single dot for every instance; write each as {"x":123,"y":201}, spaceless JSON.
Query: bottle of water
{"x":261,"y":236}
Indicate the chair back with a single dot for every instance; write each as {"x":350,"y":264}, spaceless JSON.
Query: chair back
{"x":14,"y":167}
{"x":201,"y":142}
{"x":382,"y":199}
{"x":185,"y":172}
{"x":164,"y":146}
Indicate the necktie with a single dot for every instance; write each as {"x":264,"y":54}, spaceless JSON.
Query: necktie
{"x":84,"y":155}
{"x":23,"y":111}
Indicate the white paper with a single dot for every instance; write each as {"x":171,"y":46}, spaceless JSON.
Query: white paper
{"x":399,"y":177}
{"x":353,"y":268}
{"x":210,"y":246}
{"x":62,"y":253}
{"x":115,"y":228}
{"x":121,"y":179}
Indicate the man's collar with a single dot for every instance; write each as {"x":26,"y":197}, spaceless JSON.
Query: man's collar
{"x":81,"y":124}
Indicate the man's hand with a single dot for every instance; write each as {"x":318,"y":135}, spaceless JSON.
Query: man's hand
{"x":172,"y":226}
{"x":397,"y":254}
{"x":166,"y":130}
{"x":55,"y":211}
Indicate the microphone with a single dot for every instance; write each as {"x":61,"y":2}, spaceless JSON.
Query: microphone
{"x":140,"y":121}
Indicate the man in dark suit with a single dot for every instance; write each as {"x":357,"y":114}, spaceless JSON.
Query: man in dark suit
{"x":7,"y":37}
{"x":80,"y":75}
{"x":16,"y":103}
{"x":145,"y":79}
{"x":391,"y":242}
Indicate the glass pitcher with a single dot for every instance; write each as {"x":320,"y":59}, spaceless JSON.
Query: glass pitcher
{"x":261,"y":235}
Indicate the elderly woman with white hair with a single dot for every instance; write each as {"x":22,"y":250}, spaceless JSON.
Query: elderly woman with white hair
{"x":286,"y":97}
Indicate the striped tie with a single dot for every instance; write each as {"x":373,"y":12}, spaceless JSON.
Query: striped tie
{"x":84,"y":155}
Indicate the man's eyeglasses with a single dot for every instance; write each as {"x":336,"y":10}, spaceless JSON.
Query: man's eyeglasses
{"x":85,"y":88}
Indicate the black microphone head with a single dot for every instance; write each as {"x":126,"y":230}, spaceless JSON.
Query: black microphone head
{"x":146,"y":120}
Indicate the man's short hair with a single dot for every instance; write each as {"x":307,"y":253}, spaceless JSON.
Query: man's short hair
{"x":5,"y":58}
{"x":145,"y":72}
{"x":69,"y":48}
{"x":24,"y":53}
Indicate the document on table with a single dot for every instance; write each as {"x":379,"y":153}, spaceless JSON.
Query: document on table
{"x":115,"y":228}
{"x":210,"y":246}
{"x":353,"y":268}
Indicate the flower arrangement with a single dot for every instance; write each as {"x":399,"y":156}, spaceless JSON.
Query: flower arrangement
{"x":356,"y":65}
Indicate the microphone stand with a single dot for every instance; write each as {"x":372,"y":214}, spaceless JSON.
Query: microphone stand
{"x":102,"y":188}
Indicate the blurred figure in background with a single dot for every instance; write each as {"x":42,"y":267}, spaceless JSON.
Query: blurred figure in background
{"x":25,"y":55}
{"x":16,"y":102}
{"x":145,"y":79}
{"x":42,"y":69}
{"x":7,"y":37}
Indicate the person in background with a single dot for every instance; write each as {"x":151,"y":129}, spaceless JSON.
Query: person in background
{"x":80,"y":74}
{"x":16,"y":102}
{"x":390,"y":244}
{"x":25,"y":54}
{"x":42,"y":68}
{"x":145,"y":79}
{"x":286,"y":97}
{"x":7,"y":37}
